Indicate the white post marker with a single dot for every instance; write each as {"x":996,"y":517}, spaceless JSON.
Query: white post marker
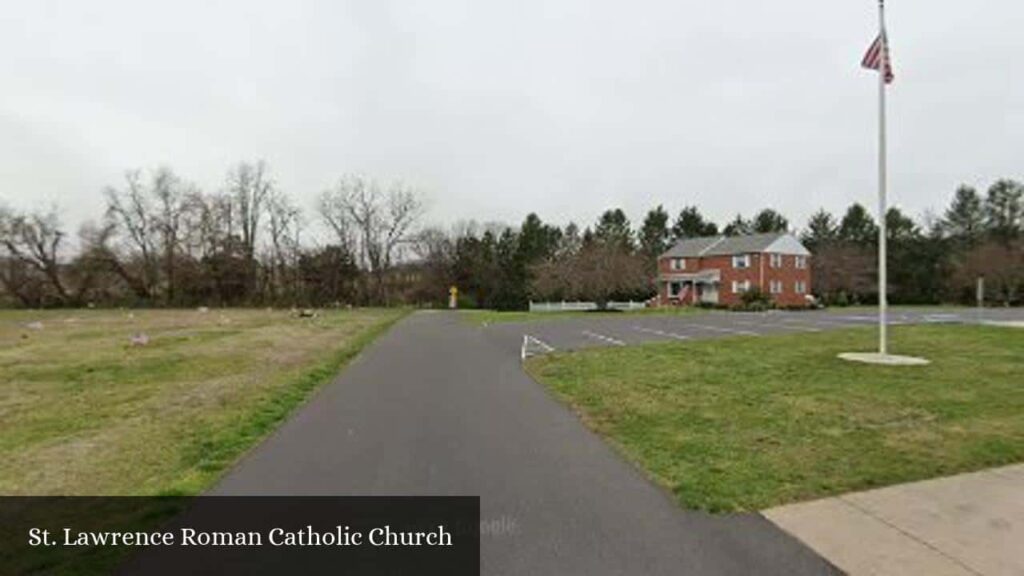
{"x":877,"y":58}
{"x":981,"y":298}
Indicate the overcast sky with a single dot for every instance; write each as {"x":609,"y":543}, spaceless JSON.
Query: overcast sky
{"x":563,"y":107}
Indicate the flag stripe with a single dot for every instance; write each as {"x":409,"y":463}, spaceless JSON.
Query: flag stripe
{"x":873,"y":58}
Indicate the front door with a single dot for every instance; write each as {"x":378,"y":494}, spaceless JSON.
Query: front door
{"x":709,"y":293}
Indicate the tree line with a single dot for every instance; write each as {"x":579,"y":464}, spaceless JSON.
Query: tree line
{"x":164,"y":242}
{"x":937,"y":260}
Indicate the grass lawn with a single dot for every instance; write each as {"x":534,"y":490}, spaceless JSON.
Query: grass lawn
{"x":748,"y":423}
{"x":84,"y":412}
{"x":485,"y":317}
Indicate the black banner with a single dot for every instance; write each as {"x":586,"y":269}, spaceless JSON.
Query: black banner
{"x":226,"y":535}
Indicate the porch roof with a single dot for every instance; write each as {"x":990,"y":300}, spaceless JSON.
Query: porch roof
{"x":704,"y":276}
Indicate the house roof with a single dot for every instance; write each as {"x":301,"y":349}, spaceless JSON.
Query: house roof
{"x":782,"y":243}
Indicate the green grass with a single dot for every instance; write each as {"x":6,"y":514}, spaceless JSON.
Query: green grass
{"x":83,"y":412}
{"x":749,"y":423}
{"x":485,"y":317}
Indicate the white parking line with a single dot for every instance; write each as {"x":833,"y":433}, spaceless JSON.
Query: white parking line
{"x":815,"y":321}
{"x":661,"y":333}
{"x":526,"y":344}
{"x":805,"y":326}
{"x":726,"y":330}
{"x":779,"y":326}
{"x":604,"y":338}
{"x":933,"y":318}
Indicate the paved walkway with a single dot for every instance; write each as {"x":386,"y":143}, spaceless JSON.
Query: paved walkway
{"x":436,"y":407}
{"x":966,"y":525}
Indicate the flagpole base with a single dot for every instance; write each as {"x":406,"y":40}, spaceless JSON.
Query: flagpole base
{"x":883,"y":359}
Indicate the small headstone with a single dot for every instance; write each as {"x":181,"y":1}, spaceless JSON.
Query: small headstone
{"x":37,"y":325}
{"x":202,"y":309}
{"x":140,"y":339}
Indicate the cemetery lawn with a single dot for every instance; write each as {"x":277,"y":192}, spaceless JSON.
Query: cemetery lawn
{"x":84,"y":412}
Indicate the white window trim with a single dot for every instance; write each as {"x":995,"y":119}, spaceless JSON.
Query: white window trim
{"x":776,"y":287}
{"x":678,"y":293}
{"x":800,"y":287}
{"x":744,"y":258}
{"x":800,"y":262}
{"x":775,"y":260}
{"x":739,"y":287}
{"x":677,"y":264}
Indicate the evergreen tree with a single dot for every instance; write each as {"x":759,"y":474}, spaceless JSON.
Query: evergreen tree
{"x":537,"y":241}
{"x":899,"y":227}
{"x":858,"y":227}
{"x":691,"y":224}
{"x":738,"y":227}
{"x":654,"y":234}
{"x":613,"y":228}
{"x":1004,"y":210}
{"x":965,"y":217}
{"x":769,"y":221}
{"x":821,"y":229}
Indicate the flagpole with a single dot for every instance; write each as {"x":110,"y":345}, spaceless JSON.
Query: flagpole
{"x":883,"y":300}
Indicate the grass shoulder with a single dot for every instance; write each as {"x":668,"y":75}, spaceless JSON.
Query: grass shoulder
{"x":749,"y":423}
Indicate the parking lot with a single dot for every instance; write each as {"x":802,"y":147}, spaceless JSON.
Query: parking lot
{"x":544,"y":336}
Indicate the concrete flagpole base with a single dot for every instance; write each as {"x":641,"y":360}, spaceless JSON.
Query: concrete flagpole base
{"x":883,"y":359}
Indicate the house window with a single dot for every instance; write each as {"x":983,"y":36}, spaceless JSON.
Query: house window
{"x":740,"y":287}
{"x":775,"y":260}
{"x":677,"y":264}
{"x":801,"y":262}
{"x":776,"y":286}
{"x":801,"y":287}
{"x":741,"y":261}
{"x":674,"y":288}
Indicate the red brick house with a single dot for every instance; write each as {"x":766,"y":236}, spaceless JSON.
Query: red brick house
{"x":719,"y":269}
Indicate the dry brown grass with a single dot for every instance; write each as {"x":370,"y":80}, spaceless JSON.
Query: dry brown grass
{"x":82,"y":411}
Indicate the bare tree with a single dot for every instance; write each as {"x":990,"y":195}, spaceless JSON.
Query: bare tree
{"x":333,"y":206}
{"x":379,"y":223}
{"x":1001,"y":263}
{"x":35,"y":241}
{"x":284,"y":224}
{"x":249,"y":188}
{"x":131,"y":214}
{"x":596,"y":272}
{"x":172,"y":200}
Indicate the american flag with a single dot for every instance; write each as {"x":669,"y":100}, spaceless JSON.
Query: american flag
{"x":873,"y":59}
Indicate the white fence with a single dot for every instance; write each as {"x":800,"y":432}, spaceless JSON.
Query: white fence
{"x":583,"y":306}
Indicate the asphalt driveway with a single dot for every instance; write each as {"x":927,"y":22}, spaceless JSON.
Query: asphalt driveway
{"x":624,"y":329}
{"x":436,"y":407}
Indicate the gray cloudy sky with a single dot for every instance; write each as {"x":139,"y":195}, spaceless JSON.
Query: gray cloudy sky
{"x":564,"y":107}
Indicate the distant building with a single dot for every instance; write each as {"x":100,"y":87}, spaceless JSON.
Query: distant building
{"x":719,"y":269}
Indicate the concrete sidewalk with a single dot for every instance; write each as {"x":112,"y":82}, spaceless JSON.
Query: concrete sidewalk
{"x":969,"y":524}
